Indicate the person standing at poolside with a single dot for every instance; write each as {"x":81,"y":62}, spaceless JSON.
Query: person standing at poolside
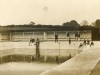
{"x":56,"y":38}
{"x":37,"y":48}
{"x":69,"y":41}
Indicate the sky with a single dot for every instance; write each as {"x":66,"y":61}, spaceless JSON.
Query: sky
{"x":54,"y":12}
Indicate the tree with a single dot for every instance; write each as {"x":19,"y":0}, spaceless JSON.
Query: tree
{"x":72,"y":23}
{"x":93,"y":24}
{"x":84,"y":22}
{"x":66,"y":24}
{"x":32,"y":23}
{"x":97,"y":23}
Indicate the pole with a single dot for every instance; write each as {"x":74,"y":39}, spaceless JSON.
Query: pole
{"x":59,"y":49}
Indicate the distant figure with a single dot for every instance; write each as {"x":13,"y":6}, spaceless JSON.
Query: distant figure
{"x":88,"y":42}
{"x":69,"y":41}
{"x":76,"y":36}
{"x":56,"y":38}
{"x":84,"y":42}
{"x":91,"y":44}
{"x":67,"y":34}
{"x":31,"y":41}
{"x":37,"y":48}
{"x":80,"y":46}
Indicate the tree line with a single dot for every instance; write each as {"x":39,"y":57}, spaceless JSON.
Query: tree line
{"x":72,"y":25}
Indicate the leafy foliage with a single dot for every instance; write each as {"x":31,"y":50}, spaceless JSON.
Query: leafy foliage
{"x":97,"y":23}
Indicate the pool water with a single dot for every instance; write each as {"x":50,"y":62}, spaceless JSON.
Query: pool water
{"x":20,"y":68}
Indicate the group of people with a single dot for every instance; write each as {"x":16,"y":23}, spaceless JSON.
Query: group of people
{"x":86,"y":42}
{"x":37,"y":43}
{"x":77,"y":36}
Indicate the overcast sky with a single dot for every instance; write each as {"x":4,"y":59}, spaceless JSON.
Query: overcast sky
{"x":58,"y":12}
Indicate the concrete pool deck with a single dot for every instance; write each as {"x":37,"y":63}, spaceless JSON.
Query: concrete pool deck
{"x":46,"y":48}
{"x":52,"y":48}
{"x":85,"y":63}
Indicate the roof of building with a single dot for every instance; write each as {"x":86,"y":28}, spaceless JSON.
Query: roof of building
{"x":36,"y":28}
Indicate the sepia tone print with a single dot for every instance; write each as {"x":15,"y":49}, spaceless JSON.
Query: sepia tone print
{"x":49,"y":37}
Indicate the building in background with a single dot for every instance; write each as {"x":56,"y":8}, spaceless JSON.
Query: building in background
{"x":96,"y":34}
{"x":25,"y":33}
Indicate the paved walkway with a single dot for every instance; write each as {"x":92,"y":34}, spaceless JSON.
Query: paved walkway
{"x":82,"y":64}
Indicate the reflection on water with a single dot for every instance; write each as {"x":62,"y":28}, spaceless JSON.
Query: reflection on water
{"x":15,"y":68}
